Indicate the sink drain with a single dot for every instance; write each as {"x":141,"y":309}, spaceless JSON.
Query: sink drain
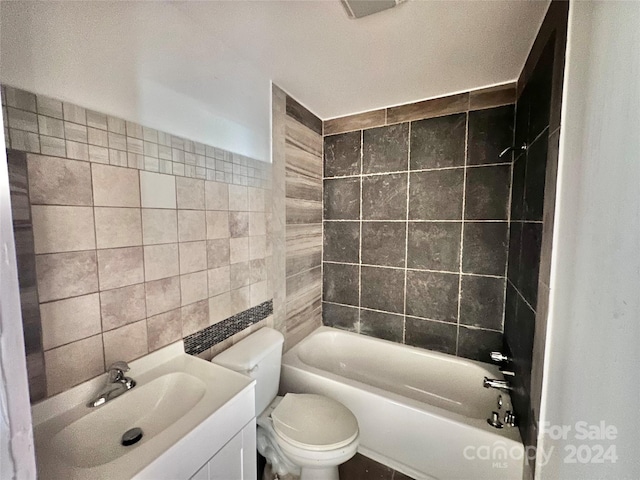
{"x":132,"y":436}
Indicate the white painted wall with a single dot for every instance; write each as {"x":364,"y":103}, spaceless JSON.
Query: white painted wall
{"x":143,"y":61}
{"x":592,"y":365}
{"x":17,"y":458}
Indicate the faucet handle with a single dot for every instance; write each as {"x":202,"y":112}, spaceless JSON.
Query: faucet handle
{"x":499,"y":357}
{"x":116,"y":371}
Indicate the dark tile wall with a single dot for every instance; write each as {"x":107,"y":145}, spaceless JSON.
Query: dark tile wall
{"x":534,"y":176}
{"x":416,"y":227}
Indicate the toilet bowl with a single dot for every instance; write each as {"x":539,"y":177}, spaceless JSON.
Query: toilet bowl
{"x":307,"y":435}
{"x":299,"y":434}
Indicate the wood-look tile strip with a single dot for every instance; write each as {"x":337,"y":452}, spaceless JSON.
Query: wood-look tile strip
{"x":436,"y":107}
{"x":306,"y":139}
{"x":374,"y":118}
{"x":492,"y":97}
{"x":302,"y":115}
{"x":303,"y":211}
{"x":304,"y":247}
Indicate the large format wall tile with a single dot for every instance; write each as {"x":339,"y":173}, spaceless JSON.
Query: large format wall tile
{"x":68,"y":320}
{"x":159,"y":226}
{"x":119,"y":267}
{"x":190,"y":193}
{"x":437,"y":336}
{"x":487,"y":193}
{"x":385,"y":149}
{"x":62,"y":275}
{"x":434,"y":246}
{"x":58,"y":181}
{"x":382,"y":325}
{"x":432,"y":295}
{"x":118,"y":227}
{"x":342,"y":242}
{"x":341,"y":283}
{"x":125,"y":343}
{"x":115,"y":186}
{"x":122,"y":306}
{"x":382,"y":243}
{"x":117,"y":264}
{"x":63,"y":229}
{"x":438,"y":142}
{"x":423,"y":193}
{"x":73,"y":363}
{"x":342,"y":199}
{"x":384,"y":197}
{"x":490,"y":132}
{"x":342,"y":154}
{"x":482,"y":301}
{"x":485,"y":248}
{"x":382,"y":289}
{"x":436,"y":195}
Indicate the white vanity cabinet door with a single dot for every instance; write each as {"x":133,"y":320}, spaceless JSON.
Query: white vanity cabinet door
{"x":235,"y":461}
{"x":227,"y":463}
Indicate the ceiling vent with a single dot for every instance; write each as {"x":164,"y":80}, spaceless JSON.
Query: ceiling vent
{"x":362,"y":8}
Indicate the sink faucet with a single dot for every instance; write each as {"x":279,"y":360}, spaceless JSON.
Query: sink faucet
{"x":494,"y":383}
{"x":117,"y":384}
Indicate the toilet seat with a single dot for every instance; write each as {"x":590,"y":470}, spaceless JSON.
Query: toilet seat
{"x":314,"y":422}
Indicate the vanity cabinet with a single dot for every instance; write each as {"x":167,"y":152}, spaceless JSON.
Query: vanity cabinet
{"x":236,"y":460}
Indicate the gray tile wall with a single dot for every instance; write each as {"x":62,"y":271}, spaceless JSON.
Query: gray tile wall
{"x":140,"y":237}
{"x":297,"y":212}
{"x":416,"y":225}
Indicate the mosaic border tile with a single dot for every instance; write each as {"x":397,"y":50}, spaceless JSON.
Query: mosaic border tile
{"x":214,"y":334}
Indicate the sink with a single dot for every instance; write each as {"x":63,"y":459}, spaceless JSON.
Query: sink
{"x":152,"y":407}
{"x":180,"y":402}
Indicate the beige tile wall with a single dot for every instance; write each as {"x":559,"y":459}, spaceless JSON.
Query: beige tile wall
{"x":130,"y":260}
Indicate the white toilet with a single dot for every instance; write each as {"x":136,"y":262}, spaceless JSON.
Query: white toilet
{"x":307,"y":435}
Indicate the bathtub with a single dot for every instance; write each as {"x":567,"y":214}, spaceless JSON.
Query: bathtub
{"x":420,"y":412}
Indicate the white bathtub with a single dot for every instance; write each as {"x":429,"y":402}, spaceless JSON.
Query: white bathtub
{"x":420,"y":412}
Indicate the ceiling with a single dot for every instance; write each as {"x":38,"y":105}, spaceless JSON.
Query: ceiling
{"x":417,"y":50}
{"x":203,"y":69}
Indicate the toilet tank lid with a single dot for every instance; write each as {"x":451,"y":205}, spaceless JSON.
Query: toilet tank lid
{"x":248,"y":352}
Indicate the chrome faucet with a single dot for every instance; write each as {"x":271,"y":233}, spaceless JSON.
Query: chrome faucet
{"x":499,"y":357}
{"x":117,"y":384}
{"x":495,"y":383}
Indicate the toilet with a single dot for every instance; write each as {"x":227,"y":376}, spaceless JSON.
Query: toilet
{"x":299,"y":434}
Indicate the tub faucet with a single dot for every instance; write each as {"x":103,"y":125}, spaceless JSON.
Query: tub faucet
{"x":117,"y":384}
{"x":495,"y":383}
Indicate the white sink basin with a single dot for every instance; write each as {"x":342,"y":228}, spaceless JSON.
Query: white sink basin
{"x":177,"y":396}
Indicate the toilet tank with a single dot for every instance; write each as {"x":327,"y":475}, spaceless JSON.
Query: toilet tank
{"x":259,"y":356}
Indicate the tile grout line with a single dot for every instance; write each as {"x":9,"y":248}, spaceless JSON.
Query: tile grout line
{"x":420,"y":221}
{"x":410,"y":316}
{"x":510,"y":200}
{"x":95,"y":232}
{"x":458,"y":167}
{"x":144,"y":273}
{"x":390,"y":267}
{"x":360,"y":216}
{"x":521,"y":295}
{"x":322,"y":164}
{"x":464,"y":196}
{"x":406,"y":240}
